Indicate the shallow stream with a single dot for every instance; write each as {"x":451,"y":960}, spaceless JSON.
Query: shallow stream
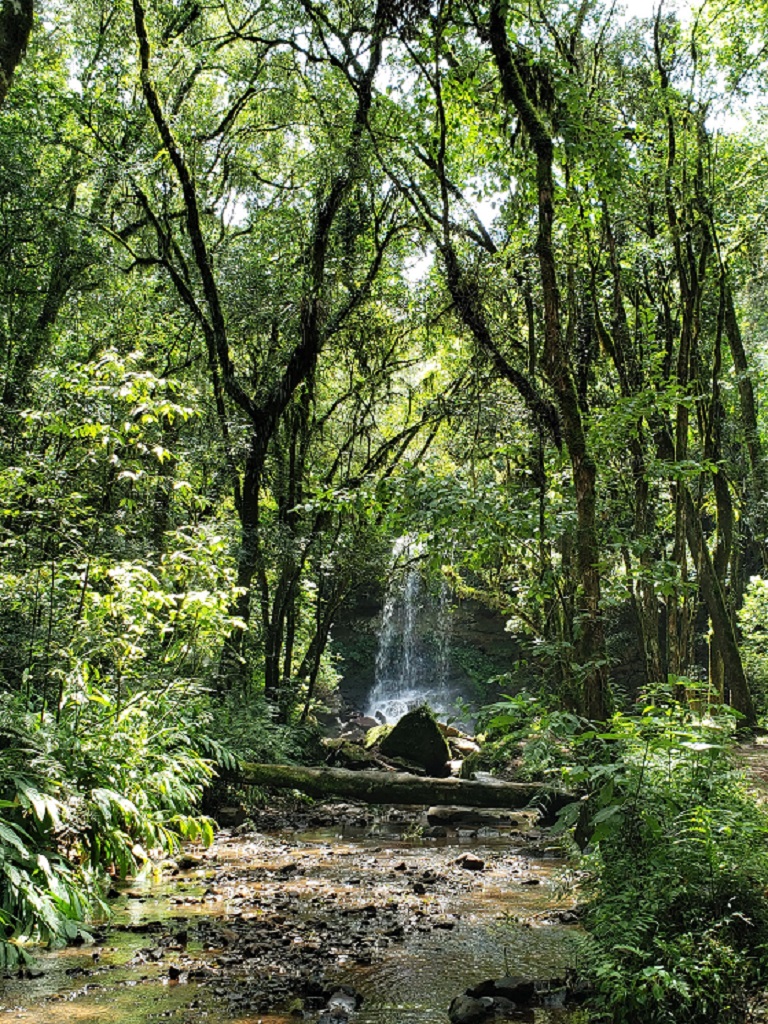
{"x":263,"y":920}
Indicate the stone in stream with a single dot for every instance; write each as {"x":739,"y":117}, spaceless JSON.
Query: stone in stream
{"x":451,"y":815}
{"x":417,"y":737}
{"x":435,"y":832}
{"x":466,"y":1009}
{"x":503,"y":995}
{"x":186,"y":862}
{"x":518,"y":989}
{"x":341,"y":1005}
{"x":470,"y":862}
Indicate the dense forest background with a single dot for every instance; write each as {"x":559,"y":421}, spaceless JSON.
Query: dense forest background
{"x":283,"y":282}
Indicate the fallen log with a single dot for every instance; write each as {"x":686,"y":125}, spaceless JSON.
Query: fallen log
{"x":402,"y":788}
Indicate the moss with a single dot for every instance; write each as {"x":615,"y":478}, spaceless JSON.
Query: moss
{"x":375,"y":735}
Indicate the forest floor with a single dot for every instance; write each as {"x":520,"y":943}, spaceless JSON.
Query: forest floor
{"x":754,"y":757}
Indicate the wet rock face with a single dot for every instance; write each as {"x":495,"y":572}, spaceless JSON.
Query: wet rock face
{"x":417,"y":737}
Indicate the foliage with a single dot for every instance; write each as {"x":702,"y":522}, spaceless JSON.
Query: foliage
{"x":42,"y":897}
{"x":524,"y":726}
{"x":675,"y":869}
{"x":753,"y":620}
{"x":677,"y":887}
{"x":97,"y":788}
{"x":282,"y":282}
{"x":251,"y":732}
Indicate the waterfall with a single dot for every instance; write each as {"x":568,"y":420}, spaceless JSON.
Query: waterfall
{"x":412,"y":660}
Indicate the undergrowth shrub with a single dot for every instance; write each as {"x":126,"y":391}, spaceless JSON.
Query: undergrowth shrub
{"x":677,"y":862}
{"x":91,"y":790}
{"x":523,"y":728}
{"x":673,"y":855}
{"x":42,"y":897}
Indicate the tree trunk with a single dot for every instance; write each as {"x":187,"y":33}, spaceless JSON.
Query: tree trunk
{"x":590,"y":630}
{"x":399,"y":787}
{"x":722,"y":624}
{"x":15,"y":27}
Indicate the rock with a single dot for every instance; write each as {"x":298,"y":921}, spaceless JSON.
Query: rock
{"x":565,"y":917}
{"x":352,"y":733}
{"x":465,"y":1009}
{"x":517,"y":989}
{"x":33,"y":973}
{"x":186,"y":862}
{"x":452,"y":815}
{"x":462,"y":746}
{"x":470,"y":862}
{"x":417,"y":737}
{"x":343,"y":753}
{"x":344,"y":1001}
{"x":365,"y":722}
{"x":402,"y":765}
{"x":376,"y":734}
{"x":503,"y":1007}
{"x":230,"y":817}
{"x":435,"y":832}
{"x":520,"y":991}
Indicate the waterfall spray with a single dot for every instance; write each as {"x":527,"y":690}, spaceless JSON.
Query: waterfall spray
{"x":412,"y":660}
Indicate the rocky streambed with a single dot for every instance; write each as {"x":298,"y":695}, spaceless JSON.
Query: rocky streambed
{"x":338,"y":914}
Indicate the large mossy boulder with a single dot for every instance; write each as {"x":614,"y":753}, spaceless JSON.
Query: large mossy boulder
{"x":417,"y":738}
{"x":375,"y":735}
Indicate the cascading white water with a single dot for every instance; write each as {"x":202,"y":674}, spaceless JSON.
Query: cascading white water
{"x":411,"y":669}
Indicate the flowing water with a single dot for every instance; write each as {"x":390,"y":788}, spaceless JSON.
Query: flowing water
{"x":395,"y":917}
{"x":412,"y":660}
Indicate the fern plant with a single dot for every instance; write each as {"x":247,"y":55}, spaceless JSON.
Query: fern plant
{"x":42,"y":897}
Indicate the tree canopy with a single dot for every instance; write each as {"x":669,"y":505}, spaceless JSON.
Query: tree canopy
{"x":305,"y":276}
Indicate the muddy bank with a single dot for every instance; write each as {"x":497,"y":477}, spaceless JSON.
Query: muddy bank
{"x":403,"y":912}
